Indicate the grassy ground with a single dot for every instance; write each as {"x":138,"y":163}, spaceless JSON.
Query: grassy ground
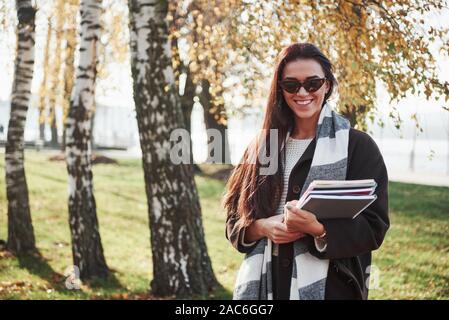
{"x":413,"y":262}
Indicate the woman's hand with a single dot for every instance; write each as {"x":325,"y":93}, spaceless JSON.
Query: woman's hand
{"x":275,"y":229}
{"x":297,"y":220}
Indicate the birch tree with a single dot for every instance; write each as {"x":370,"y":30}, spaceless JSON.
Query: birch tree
{"x":55,"y":70}
{"x":181,"y":265}
{"x":87,"y":249}
{"x":43,"y":98}
{"x":20,"y":228}
{"x":71,"y":6}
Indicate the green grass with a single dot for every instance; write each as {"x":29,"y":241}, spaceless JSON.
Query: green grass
{"x":413,"y":261}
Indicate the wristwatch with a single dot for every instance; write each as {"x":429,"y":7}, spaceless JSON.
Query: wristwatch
{"x":321,"y":237}
{"x":321,"y":242}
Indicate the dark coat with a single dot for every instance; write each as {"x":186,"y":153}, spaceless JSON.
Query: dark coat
{"x":349,"y":241}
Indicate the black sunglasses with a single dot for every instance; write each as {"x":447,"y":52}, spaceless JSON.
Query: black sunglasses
{"x":293,"y":86}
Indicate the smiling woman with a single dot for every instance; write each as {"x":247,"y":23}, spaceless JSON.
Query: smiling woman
{"x":290,"y":254}
{"x":306,"y":96}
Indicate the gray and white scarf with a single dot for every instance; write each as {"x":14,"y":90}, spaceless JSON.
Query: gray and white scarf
{"x":254,"y":278}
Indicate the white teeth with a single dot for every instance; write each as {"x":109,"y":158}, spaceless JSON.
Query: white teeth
{"x":303,"y":102}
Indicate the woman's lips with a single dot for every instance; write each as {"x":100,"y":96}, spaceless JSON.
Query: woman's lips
{"x":303,"y":103}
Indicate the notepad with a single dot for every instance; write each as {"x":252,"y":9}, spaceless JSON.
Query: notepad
{"x":334,"y":199}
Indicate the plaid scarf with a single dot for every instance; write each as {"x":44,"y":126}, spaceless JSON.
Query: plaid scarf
{"x":254,"y":278}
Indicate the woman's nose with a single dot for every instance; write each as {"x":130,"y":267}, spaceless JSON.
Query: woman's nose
{"x":302,"y":92}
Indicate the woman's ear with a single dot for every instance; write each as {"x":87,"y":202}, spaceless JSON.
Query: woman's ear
{"x":328,"y":86}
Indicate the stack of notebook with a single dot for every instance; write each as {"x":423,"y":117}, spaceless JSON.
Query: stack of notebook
{"x":334,"y":199}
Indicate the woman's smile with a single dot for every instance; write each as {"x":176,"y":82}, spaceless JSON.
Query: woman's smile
{"x":303,"y":102}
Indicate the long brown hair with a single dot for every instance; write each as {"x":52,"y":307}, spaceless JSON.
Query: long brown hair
{"x":250,"y":195}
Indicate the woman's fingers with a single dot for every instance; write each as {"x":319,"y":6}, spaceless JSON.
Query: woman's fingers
{"x":282,"y":227}
{"x":278,"y":217}
{"x":291,"y":206}
{"x":294,"y":218}
{"x":287,"y":237}
{"x":282,"y":235}
{"x":293,"y":202}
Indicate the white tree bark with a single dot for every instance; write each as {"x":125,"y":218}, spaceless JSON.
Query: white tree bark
{"x":20,"y":228}
{"x":181,"y":265}
{"x":87,"y":249}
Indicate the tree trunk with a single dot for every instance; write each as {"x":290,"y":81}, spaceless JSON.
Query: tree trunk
{"x":212,"y":119}
{"x":186,"y":98}
{"x":412,"y":152}
{"x":20,"y":227}
{"x":92,"y":123}
{"x":55,"y":71}
{"x":43,"y":98}
{"x":42,"y":132}
{"x":181,"y":265}
{"x":63,"y":139}
{"x":69,"y":61}
{"x":87,"y":249}
{"x":187,"y":108}
{"x":356,"y":115}
{"x":54,"y":132}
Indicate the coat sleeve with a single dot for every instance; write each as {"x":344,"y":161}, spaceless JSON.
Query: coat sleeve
{"x":235,"y":235}
{"x":348,"y":238}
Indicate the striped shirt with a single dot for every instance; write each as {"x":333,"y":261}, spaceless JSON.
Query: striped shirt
{"x":294,"y":149}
